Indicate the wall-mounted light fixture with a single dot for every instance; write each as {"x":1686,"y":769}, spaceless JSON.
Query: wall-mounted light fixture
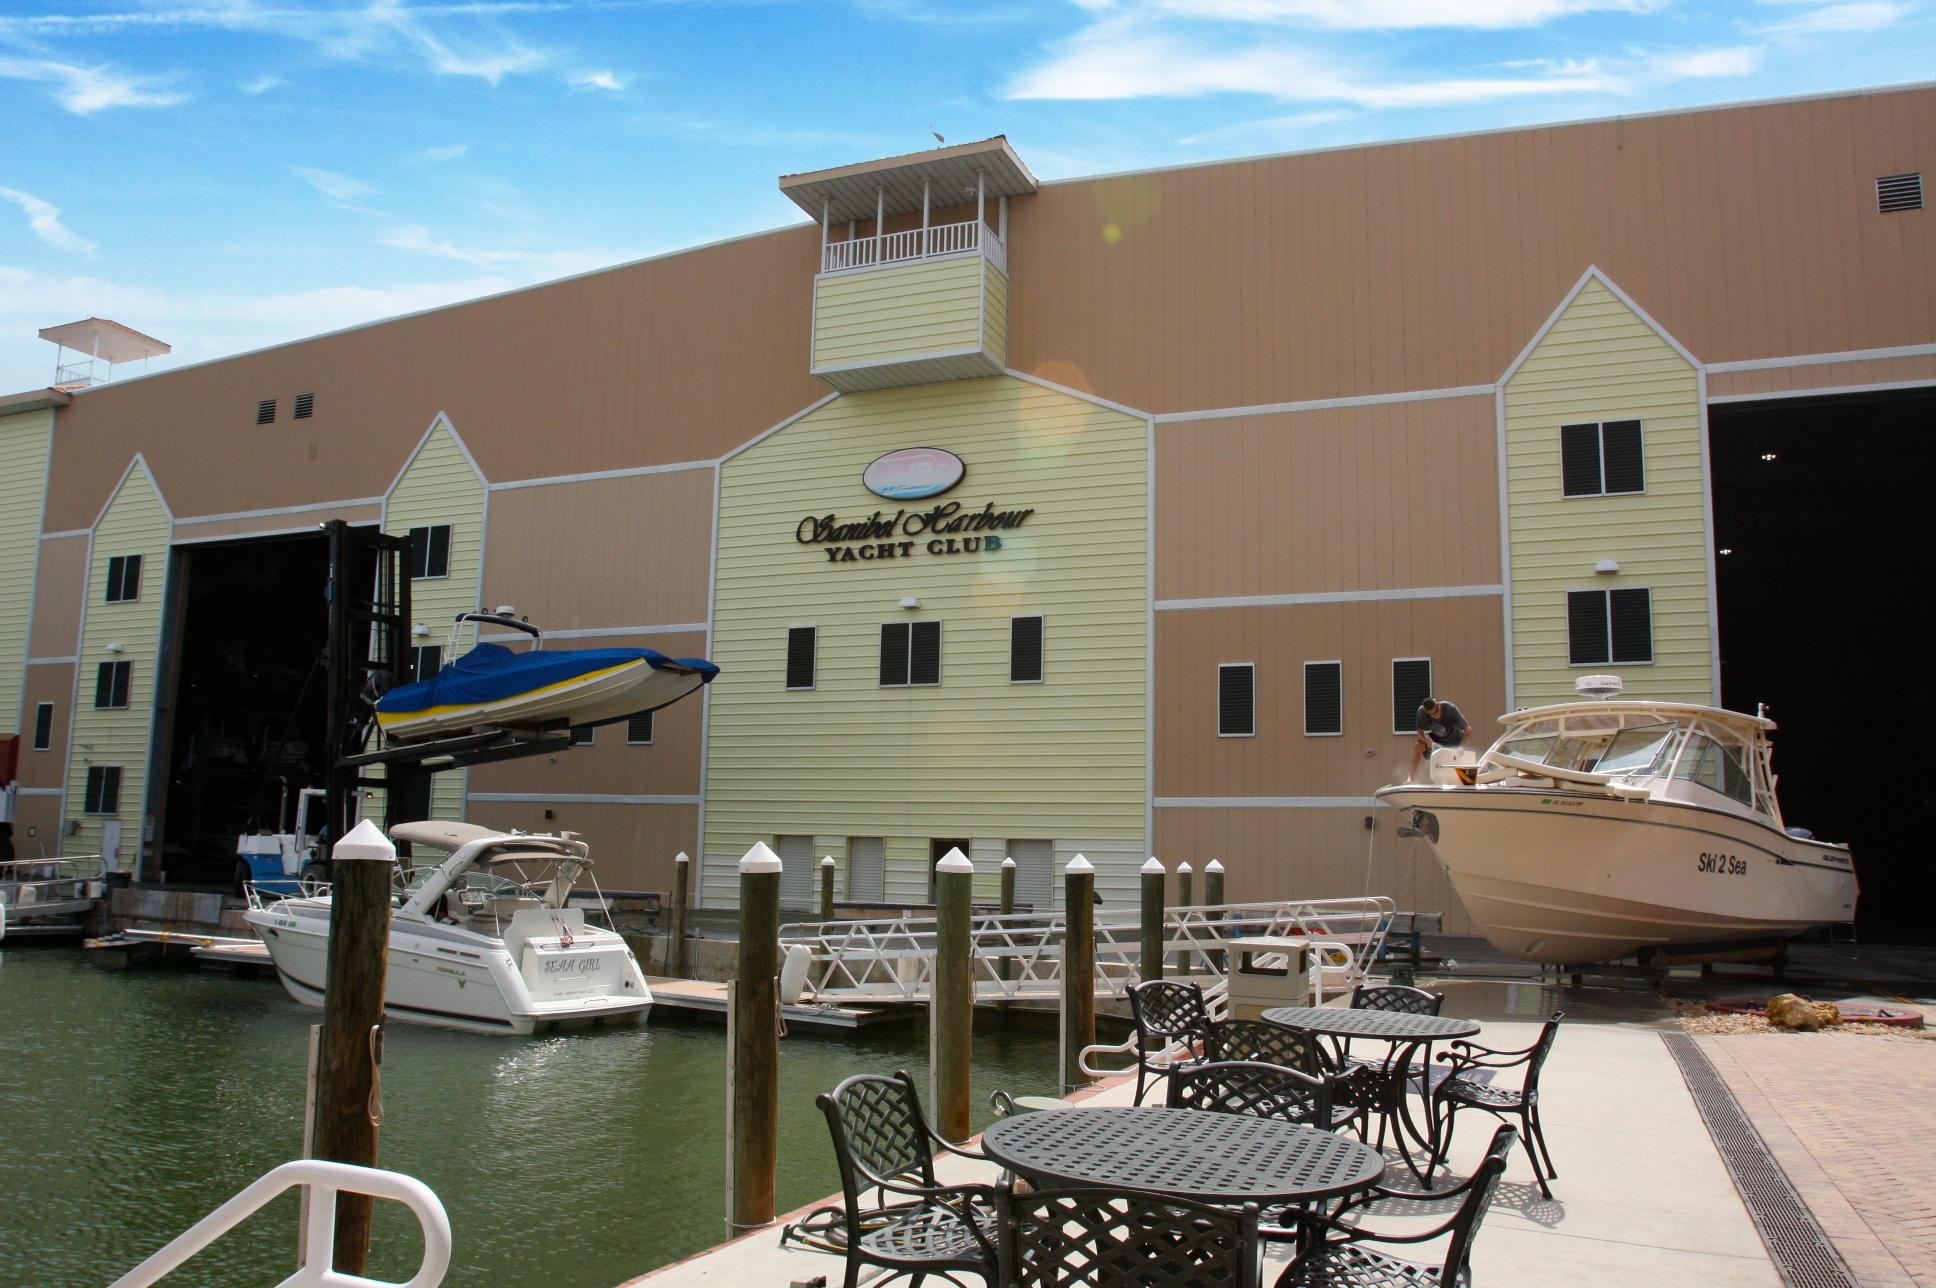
{"x":909,"y":601}
{"x":418,"y":631}
{"x":113,"y":648}
{"x":1607,"y":566}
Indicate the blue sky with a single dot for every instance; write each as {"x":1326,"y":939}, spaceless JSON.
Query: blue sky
{"x":234,"y":173}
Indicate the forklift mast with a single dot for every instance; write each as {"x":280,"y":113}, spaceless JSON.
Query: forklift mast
{"x":368,"y":655}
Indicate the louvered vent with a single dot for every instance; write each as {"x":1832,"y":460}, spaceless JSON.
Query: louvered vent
{"x":1236,"y":700}
{"x":1899,"y":192}
{"x":305,"y":407}
{"x":801,"y":646}
{"x":1025,"y":650}
{"x":265,"y":412}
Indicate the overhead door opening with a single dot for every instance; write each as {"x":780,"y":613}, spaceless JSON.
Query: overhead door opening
{"x":1821,"y":516}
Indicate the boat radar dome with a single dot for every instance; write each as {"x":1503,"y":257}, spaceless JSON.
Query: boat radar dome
{"x":1600,"y":687}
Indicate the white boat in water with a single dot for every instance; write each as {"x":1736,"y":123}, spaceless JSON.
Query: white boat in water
{"x":487,"y":940}
{"x":1594,"y":829}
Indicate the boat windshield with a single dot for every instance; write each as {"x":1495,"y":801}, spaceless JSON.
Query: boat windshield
{"x":1550,"y":749}
{"x":1717,"y":767}
{"x":1636,"y":751}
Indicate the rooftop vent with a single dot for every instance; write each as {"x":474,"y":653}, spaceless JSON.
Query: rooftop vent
{"x":1899,"y":192}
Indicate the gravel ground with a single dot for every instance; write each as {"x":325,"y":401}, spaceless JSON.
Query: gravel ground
{"x":1696,"y":1018}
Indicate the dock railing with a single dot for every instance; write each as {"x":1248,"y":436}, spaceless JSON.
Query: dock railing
{"x":1019,"y":956}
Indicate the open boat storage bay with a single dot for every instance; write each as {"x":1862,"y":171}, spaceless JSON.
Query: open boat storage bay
{"x":136,"y":1101}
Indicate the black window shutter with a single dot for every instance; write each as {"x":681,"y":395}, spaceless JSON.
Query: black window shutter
{"x":1024,"y":649}
{"x":1411,"y":685}
{"x":437,"y":557}
{"x":1631,"y":615}
{"x":581,"y":735}
{"x":430,"y":660}
{"x":110,"y":789}
{"x":802,"y":642}
{"x":894,"y":653}
{"x":122,"y":670}
{"x":131,"y":577}
{"x":104,"y":686}
{"x":1580,"y":460}
{"x":638,"y":728}
{"x":1323,"y":697}
{"x":44,"y":726}
{"x":116,"y":567}
{"x":1586,"y":628}
{"x":1237,"y":699}
{"x":924,"y":653}
{"x":1626,"y":471}
{"x":91,"y":801}
{"x":419,"y":556}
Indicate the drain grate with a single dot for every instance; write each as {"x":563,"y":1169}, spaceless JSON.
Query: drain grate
{"x":1801,"y":1251}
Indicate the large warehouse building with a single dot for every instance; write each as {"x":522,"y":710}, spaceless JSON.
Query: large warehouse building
{"x":1256,"y":454}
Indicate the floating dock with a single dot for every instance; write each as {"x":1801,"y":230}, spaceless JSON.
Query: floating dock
{"x":705,"y":998}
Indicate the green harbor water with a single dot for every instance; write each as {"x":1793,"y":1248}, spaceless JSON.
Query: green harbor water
{"x":133,"y":1102}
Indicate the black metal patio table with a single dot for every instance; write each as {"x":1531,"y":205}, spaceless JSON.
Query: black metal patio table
{"x":1410,"y":1035}
{"x":1212,"y":1158}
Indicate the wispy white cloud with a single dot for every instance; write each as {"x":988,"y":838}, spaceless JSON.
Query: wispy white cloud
{"x":1738,"y":61}
{"x":1484,"y":15}
{"x":331,"y":184}
{"x":44,"y":218}
{"x":1840,"y":17}
{"x":449,"y":152}
{"x":263,"y":84}
{"x":594,"y":80}
{"x":85,"y":90}
{"x":417,"y":238}
{"x":1271,"y":126}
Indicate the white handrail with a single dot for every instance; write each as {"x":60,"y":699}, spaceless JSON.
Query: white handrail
{"x":318,"y":1270}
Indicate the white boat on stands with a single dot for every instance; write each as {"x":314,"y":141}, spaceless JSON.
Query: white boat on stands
{"x":487,"y":940}
{"x":1594,"y":829}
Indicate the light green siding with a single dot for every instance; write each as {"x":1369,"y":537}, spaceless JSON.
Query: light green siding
{"x":1602,"y":361}
{"x":23,"y":483}
{"x":440,"y":485}
{"x":886,"y":313}
{"x":975,"y":756}
{"x":135,"y":522}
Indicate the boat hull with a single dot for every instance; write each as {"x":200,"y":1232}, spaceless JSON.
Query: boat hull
{"x":588,"y":699}
{"x":1569,"y":878}
{"x":449,"y":978}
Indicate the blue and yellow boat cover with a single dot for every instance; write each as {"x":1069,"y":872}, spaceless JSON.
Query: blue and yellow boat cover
{"x":493,"y":673}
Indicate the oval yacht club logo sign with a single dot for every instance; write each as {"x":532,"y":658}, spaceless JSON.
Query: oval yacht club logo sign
{"x":914,"y":472}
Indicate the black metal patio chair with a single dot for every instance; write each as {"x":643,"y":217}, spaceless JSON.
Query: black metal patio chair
{"x":1170,"y":1019}
{"x":1356,"y":1092}
{"x":885,"y":1146}
{"x":1396,"y":997}
{"x":1332,"y":1251}
{"x":1253,"y":1088}
{"x":1460,"y":1090}
{"x":1099,"y":1238}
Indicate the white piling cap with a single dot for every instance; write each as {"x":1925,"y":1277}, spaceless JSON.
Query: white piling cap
{"x":367,"y":842}
{"x":1154,"y":867}
{"x":1183,"y":868}
{"x":1008,"y":863}
{"x":1213,"y":866}
{"x":683,"y":857}
{"x":1080,"y":865}
{"x":827,"y":862}
{"x":759,"y":859}
{"x":954,"y":861}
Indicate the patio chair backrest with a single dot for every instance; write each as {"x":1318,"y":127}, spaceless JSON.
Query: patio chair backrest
{"x":1166,"y":1008}
{"x":1396,"y":997}
{"x":1542,"y":1049}
{"x":1474,"y":1206}
{"x":1100,"y":1238}
{"x":879,"y":1133}
{"x":1254,"y":1089}
{"x":1266,"y":1043}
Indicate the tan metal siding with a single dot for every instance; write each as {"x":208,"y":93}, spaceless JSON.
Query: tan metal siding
{"x":606,"y":552}
{"x":58,"y":589}
{"x":1396,"y":495}
{"x":23,"y":480}
{"x":1827,"y":375}
{"x":304,"y":520}
{"x":898,"y":312}
{"x":1601,"y":361}
{"x":632,"y":845}
{"x":55,"y":684}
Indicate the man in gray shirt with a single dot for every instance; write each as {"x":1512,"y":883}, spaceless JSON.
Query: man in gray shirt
{"x":1440,"y":724}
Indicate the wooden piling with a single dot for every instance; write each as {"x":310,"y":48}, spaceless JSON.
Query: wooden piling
{"x":1185,"y":960}
{"x":676,"y":951}
{"x":1152,"y":927}
{"x":827,"y":888}
{"x":951,"y":1007}
{"x":1007,"y":964}
{"x":1078,"y":969}
{"x":754,"y":1096}
{"x":1213,"y":897}
{"x":347,"y":1105}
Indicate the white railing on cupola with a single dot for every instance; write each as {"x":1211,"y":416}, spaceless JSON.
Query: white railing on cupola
{"x":937,"y":242}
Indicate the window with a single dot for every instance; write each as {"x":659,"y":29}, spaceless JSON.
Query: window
{"x":1602,"y":459}
{"x":1025,"y":650}
{"x":1899,"y":192}
{"x":44,"y":727}
{"x":581,"y":735}
{"x":866,"y":869}
{"x":111,"y":685}
{"x":638,"y":730}
{"x":124,"y":578}
{"x":430,"y":552}
{"x":1606,"y":626}
{"x":265,"y":412}
{"x":305,"y":407}
{"x":1411,"y":685}
{"x":1716,"y":767}
{"x":103,"y":790}
{"x":1323,"y":699}
{"x":910,"y":653}
{"x":802,"y":648}
{"x":427,"y":661}
{"x":1236,"y":700}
